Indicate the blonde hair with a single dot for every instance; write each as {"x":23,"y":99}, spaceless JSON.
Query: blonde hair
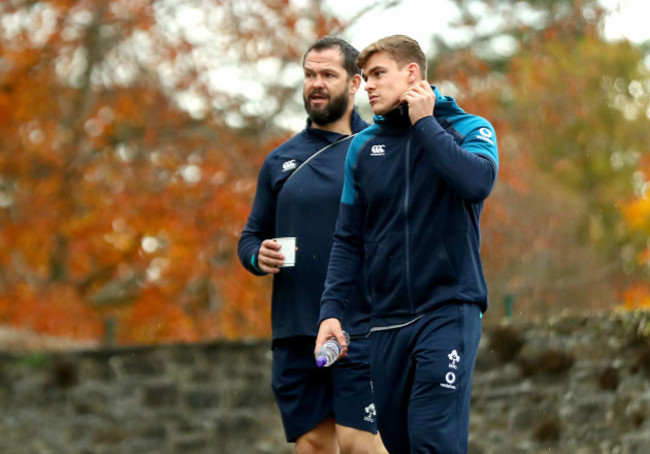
{"x":401,"y":48}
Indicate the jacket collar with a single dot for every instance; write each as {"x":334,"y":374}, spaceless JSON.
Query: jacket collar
{"x":399,"y":116}
{"x":396,"y":118}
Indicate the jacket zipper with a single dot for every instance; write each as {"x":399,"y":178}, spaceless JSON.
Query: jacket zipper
{"x":407,"y":192}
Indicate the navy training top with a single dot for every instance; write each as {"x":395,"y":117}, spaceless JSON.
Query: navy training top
{"x":305,"y":206}
{"x":410,"y":211}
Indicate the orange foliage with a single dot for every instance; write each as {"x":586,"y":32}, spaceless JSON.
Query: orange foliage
{"x":54,"y":309}
{"x":115,"y":204}
{"x":637,"y":296}
{"x":155,"y":317}
{"x":637,"y":214}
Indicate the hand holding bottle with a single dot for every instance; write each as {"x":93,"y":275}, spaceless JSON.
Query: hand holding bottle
{"x":335,"y":341}
{"x":330,"y":351}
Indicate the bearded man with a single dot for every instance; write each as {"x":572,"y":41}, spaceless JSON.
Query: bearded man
{"x":298,"y":194}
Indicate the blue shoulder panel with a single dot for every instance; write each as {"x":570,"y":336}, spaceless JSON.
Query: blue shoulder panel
{"x":348,"y":195}
{"x":479,"y":135}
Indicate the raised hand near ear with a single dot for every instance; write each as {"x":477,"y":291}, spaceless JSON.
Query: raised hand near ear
{"x":421,"y":101}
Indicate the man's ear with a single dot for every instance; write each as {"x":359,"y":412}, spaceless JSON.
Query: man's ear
{"x":414,"y":74}
{"x":355,"y":83}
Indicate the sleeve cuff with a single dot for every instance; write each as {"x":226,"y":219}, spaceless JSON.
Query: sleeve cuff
{"x":255,"y":264}
{"x":428,"y":124}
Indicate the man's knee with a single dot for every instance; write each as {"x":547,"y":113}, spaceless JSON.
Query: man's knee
{"x":354,"y":441}
{"x":315,"y":445}
{"x":320,"y":440}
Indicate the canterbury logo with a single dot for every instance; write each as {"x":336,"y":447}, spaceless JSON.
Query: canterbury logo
{"x":289,"y":165}
{"x":378,"y":150}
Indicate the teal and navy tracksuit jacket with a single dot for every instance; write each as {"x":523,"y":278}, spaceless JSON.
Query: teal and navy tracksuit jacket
{"x":303,"y":203}
{"x":409,"y":215}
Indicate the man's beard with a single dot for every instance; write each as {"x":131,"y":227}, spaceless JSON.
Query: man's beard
{"x":330,"y":113}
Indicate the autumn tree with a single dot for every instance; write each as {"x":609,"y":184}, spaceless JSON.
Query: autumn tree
{"x":129,"y":156}
{"x":569,"y":108}
{"x":131,"y":133}
{"x":636,"y":209}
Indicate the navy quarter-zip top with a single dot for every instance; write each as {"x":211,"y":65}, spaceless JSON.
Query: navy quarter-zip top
{"x":409,"y":215}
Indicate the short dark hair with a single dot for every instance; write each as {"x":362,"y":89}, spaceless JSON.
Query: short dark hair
{"x":349,"y":53}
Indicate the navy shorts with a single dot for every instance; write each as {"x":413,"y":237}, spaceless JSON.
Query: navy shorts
{"x":307,"y":395}
{"x":422,"y":376}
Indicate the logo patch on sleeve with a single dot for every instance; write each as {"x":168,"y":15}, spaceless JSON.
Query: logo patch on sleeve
{"x":485,"y":134}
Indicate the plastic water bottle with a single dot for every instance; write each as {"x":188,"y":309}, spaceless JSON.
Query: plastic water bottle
{"x":330,"y":351}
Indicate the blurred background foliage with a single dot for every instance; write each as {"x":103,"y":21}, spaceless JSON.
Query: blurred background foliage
{"x":131,"y":133}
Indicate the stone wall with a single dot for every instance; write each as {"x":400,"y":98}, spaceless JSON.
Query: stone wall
{"x":569,"y":385}
{"x":193,"y":399}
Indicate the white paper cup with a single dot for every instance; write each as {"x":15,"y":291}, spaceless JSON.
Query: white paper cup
{"x":288,"y":248}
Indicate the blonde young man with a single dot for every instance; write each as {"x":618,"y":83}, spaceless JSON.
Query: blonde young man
{"x":298,"y":191}
{"x":415,"y":183}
